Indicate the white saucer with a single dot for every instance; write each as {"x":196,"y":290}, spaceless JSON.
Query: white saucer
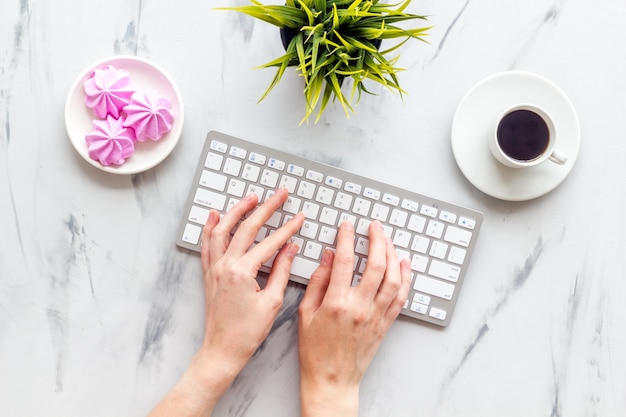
{"x":474,"y":124}
{"x":143,"y":75}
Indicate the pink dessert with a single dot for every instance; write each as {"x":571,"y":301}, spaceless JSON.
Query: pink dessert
{"x":149,"y":114}
{"x":110,"y":142}
{"x":107,"y":91}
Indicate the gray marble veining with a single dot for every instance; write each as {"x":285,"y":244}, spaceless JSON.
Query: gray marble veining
{"x":100,"y":312}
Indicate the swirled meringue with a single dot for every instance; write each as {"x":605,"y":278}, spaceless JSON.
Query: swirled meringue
{"x":107,"y":91}
{"x":149,"y":114}
{"x":110,"y":142}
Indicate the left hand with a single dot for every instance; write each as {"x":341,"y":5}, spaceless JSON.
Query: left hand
{"x":239,"y":315}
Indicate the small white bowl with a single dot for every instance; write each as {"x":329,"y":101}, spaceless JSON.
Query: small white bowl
{"x":144,"y":75}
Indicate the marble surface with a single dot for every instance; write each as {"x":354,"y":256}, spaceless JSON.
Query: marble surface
{"x":100,"y":312}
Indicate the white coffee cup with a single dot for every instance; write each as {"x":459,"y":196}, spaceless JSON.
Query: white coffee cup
{"x":525,"y":136}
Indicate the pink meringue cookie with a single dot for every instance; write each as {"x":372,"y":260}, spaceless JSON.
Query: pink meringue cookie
{"x":107,"y":91}
{"x":110,"y":142}
{"x":149,"y":114}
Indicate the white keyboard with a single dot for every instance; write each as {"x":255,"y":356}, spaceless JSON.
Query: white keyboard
{"x":438,"y":237}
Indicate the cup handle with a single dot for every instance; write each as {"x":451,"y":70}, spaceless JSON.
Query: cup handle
{"x":558,"y":157}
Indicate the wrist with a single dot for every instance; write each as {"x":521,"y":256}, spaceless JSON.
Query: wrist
{"x":328,"y":399}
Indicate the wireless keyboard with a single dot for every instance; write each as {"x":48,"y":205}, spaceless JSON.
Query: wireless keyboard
{"x":438,"y":237}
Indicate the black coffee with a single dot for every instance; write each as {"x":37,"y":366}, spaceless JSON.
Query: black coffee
{"x":523,"y":135}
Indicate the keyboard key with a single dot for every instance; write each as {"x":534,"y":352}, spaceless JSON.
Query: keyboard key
{"x":420,"y":244}
{"x":232,"y":167}
{"x":391,"y":199}
{"x":329,"y":216}
{"x":213,"y":180}
{"x":309,"y":229}
{"x":257,"y":158}
{"x":269,"y":178}
{"x":261,"y":234}
{"x":380,"y":212}
{"x":363,"y":227}
{"x":371,"y":193}
{"x":398,"y":218}
{"x":236,"y":187}
{"x":361,"y":207}
{"x":276,"y":164}
{"x":219,"y":146}
{"x":343,"y":201}
{"x":448,"y":217}
{"x":289,"y":183}
{"x":421,"y":298}
{"x":444,"y":270}
{"x":213,"y":161}
{"x":209,"y":199}
{"x":198,"y":215}
{"x":192,"y":234}
{"x":429,"y":211}
{"x":314,"y":176}
{"x":250,"y":173}
{"x":438,"y":250}
{"x":457,"y":255}
{"x":312,"y":250}
{"x":333,"y":182}
{"x":438,"y":313}
{"x":274,"y":220}
{"x":324,"y":195}
{"x":310,"y":210}
{"x":306,"y":190}
{"x":352,"y":188}
{"x":303,"y":267}
{"x":458,"y":236}
{"x":419,"y":308}
{"x":419,"y":263}
{"x":295,"y":170}
{"x":433,"y":287}
{"x":467,"y":223}
{"x":410,"y":205}
{"x":416,"y":223}
{"x":238,"y":152}
{"x":402,"y":238}
{"x":292,"y":205}
{"x":327,"y":235}
{"x":362,"y":246}
{"x":435,"y":229}
{"x":255,"y":189}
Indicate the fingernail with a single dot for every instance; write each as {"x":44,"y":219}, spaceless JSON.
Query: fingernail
{"x":347,"y":224}
{"x":377,"y":225}
{"x":292,"y":250}
{"x":250,"y":197}
{"x":327,"y":257}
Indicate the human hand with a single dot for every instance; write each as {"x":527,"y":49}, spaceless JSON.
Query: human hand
{"x":239,"y":315}
{"x":341,"y":327}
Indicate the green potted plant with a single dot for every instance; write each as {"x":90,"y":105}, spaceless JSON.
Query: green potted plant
{"x":329,"y":41}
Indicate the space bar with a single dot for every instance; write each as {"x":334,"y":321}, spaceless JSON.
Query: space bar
{"x":303,"y":267}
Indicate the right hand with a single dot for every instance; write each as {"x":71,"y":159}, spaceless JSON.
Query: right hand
{"x":341,"y":327}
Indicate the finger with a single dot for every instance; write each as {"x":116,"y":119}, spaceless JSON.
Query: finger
{"x":212,"y":220}
{"x":376,"y":262}
{"x":396,"y":306}
{"x":221,"y":232}
{"x":247,"y":231}
{"x":270,"y":245}
{"x":392,"y":280}
{"x":318,"y":284}
{"x":343,"y":263}
{"x":279,"y":276}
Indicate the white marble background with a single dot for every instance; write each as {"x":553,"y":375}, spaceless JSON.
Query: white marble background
{"x":100,"y":312}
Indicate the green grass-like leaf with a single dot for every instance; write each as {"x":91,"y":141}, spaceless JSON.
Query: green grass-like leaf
{"x":336,"y":41}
